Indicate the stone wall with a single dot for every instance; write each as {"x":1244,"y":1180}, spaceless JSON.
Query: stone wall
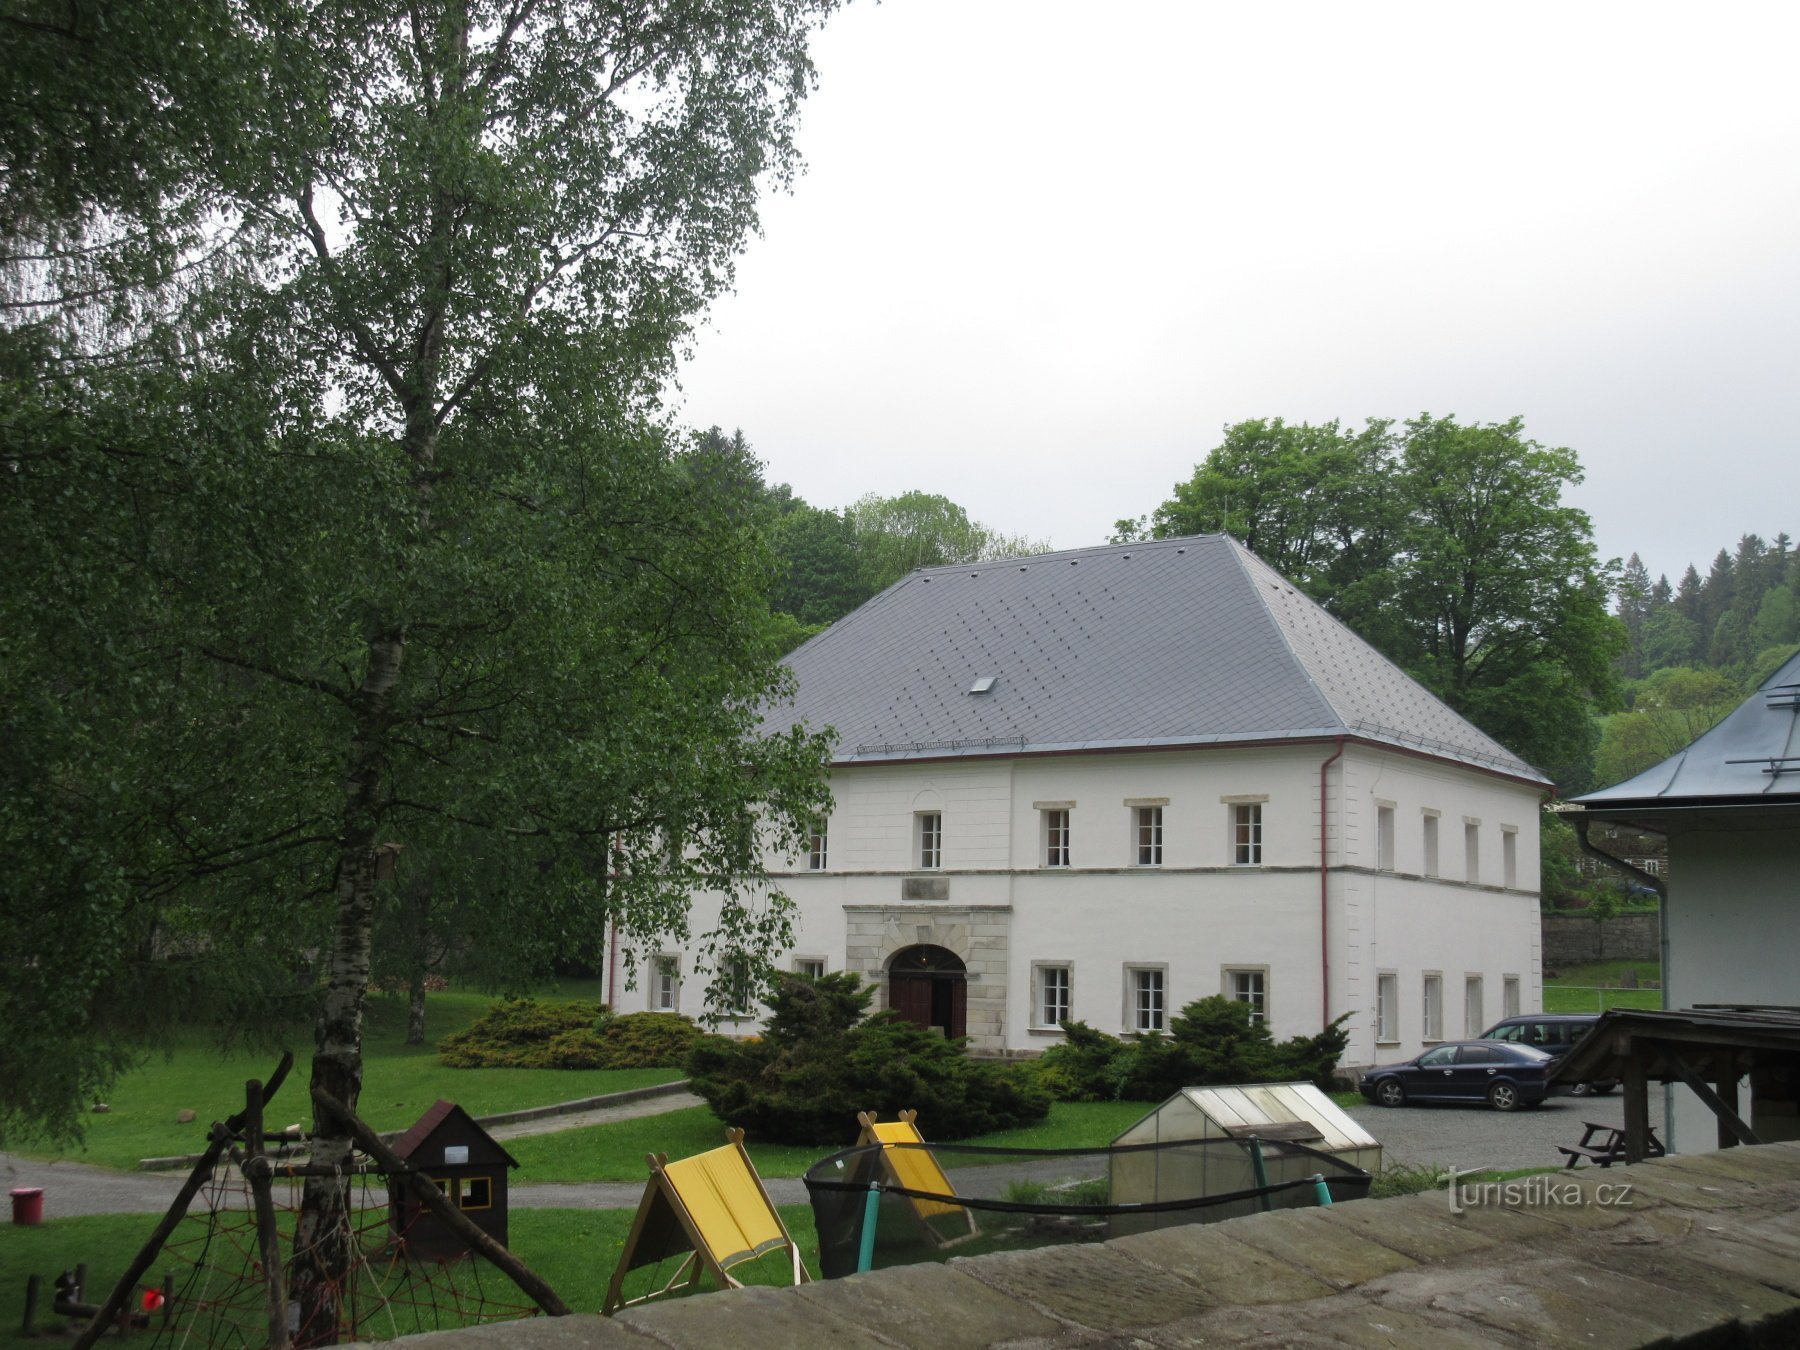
{"x":1572,"y":939}
{"x":977,"y":933}
{"x":1693,"y":1251}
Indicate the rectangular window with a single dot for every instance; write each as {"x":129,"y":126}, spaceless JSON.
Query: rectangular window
{"x":740,"y":991}
{"x":1149,"y":836}
{"x":1474,"y":1023}
{"x":1052,"y":995}
{"x":815,"y":850}
{"x":1433,"y":1029}
{"x":477,"y":1193}
{"x":931,"y":840}
{"x":1246,"y":834}
{"x":665,"y":984}
{"x":1252,"y":987}
{"x":1145,"y":989}
{"x":1509,"y":857}
{"x":1431,"y":845}
{"x":1056,"y":838}
{"x":1387,"y":1008}
{"x":1384,"y":838}
{"x":1471,"y":852}
{"x":810,"y":967}
{"x":1509,"y":996}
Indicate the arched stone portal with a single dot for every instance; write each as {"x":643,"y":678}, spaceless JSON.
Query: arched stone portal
{"x":929,"y":986}
{"x":975,"y":935}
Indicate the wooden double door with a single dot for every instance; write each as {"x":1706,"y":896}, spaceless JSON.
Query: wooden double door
{"x":929,"y":986}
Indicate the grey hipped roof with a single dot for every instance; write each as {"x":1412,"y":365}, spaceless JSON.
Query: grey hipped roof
{"x":1172,"y":643}
{"x":1752,"y":758}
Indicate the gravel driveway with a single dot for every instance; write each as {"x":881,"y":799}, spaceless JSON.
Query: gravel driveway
{"x":1475,"y":1136}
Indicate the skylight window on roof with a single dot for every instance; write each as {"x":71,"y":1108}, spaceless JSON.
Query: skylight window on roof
{"x":984,"y":684}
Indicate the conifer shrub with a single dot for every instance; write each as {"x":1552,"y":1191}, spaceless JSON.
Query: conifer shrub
{"x":822,"y":1058}
{"x":1211,"y":1041}
{"x":525,"y":1034}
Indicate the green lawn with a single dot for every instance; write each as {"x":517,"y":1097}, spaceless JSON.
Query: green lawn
{"x":574,"y":1250}
{"x":399,"y":1082}
{"x":1595,"y":987}
{"x":616,"y":1152}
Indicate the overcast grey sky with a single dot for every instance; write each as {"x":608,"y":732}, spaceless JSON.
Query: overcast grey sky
{"x":1044,"y":251}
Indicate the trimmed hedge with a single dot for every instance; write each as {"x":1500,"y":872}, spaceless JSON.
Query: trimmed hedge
{"x":525,"y":1034}
{"x":819,"y":1062}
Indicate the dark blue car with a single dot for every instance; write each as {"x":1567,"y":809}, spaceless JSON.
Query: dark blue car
{"x":1503,"y":1075}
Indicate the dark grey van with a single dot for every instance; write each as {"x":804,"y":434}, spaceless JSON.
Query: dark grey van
{"x":1554,"y":1033}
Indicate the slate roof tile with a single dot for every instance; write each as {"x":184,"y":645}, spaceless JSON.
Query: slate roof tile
{"x":1178,"y":641}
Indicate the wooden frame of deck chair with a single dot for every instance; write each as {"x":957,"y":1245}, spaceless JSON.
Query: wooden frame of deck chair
{"x":714,"y":1207}
{"x":916,"y":1168}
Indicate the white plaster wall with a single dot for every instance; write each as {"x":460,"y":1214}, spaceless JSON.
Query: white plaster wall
{"x":1388,"y":916}
{"x":1198,"y":913}
{"x":1732,"y":928}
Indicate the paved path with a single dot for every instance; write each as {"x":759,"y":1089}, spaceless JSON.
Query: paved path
{"x":1474,"y":1136}
{"x":72,"y":1188}
{"x":1439,"y":1136}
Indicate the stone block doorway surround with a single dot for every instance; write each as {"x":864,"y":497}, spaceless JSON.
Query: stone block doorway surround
{"x":980,"y":935}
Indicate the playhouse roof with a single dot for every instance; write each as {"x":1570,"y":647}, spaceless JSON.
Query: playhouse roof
{"x":443,"y":1115}
{"x":1172,"y":643}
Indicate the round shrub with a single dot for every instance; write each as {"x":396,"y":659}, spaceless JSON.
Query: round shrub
{"x":819,"y":1063}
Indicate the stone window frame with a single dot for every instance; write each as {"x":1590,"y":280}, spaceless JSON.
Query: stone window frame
{"x":1133,"y":969}
{"x":928,"y":841}
{"x":1037,"y":1020}
{"x":665,"y":966}
{"x":1387,"y":1007}
{"x":1228,"y":987}
{"x":1135,"y":846}
{"x":1245,"y":809}
{"x":1431,"y":1011}
{"x":1055,"y":817}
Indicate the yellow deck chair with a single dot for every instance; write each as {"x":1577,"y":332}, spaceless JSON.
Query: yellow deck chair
{"x":916,"y":1168}
{"x":711,"y":1206}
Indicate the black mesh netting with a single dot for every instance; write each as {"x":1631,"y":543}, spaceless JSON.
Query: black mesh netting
{"x":895,"y":1204}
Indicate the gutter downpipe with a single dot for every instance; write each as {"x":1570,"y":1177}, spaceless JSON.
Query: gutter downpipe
{"x":1324,"y":893}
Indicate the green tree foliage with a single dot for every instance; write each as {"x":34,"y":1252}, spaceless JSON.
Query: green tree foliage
{"x":1315,"y":503}
{"x":896,"y":535}
{"x":345,"y":515}
{"x":1213,"y":1040}
{"x":821,"y":1060}
{"x":1670,"y":709}
{"x":1448,"y":546}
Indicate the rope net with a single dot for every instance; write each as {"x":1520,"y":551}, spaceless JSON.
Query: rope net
{"x":220,"y":1297}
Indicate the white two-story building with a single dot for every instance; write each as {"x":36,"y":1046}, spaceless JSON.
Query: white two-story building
{"x":1101,"y":784}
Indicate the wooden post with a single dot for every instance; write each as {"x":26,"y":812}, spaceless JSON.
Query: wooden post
{"x":268,"y":1241}
{"x":115,"y":1301}
{"x":528,"y":1280}
{"x":1728,"y":1097}
{"x":221,"y":1140}
{"x":1637,"y":1101}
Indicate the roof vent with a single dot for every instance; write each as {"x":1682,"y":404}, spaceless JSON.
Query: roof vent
{"x":984,"y":684}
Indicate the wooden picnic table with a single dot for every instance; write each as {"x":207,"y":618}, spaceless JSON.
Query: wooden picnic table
{"x":1603,"y":1145}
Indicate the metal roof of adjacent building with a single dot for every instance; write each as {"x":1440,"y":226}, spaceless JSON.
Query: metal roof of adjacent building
{"x":1177,"y":642}
{"x":1752,"y":759}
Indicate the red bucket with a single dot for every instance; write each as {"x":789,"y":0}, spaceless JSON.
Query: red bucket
{"x":28,"y":1205}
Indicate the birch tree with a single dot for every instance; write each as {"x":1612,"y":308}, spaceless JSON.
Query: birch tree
{"x":350,"y":526}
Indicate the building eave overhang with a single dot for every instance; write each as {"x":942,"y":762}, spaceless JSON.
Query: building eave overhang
{"x":939,"y":751}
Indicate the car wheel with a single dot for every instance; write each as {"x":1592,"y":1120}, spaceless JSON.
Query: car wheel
{"x":1503,"y":1097}
{"x":1600,"y":1089}
{"x":1581,"y":1089}
{"x":1390,"y":1092}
